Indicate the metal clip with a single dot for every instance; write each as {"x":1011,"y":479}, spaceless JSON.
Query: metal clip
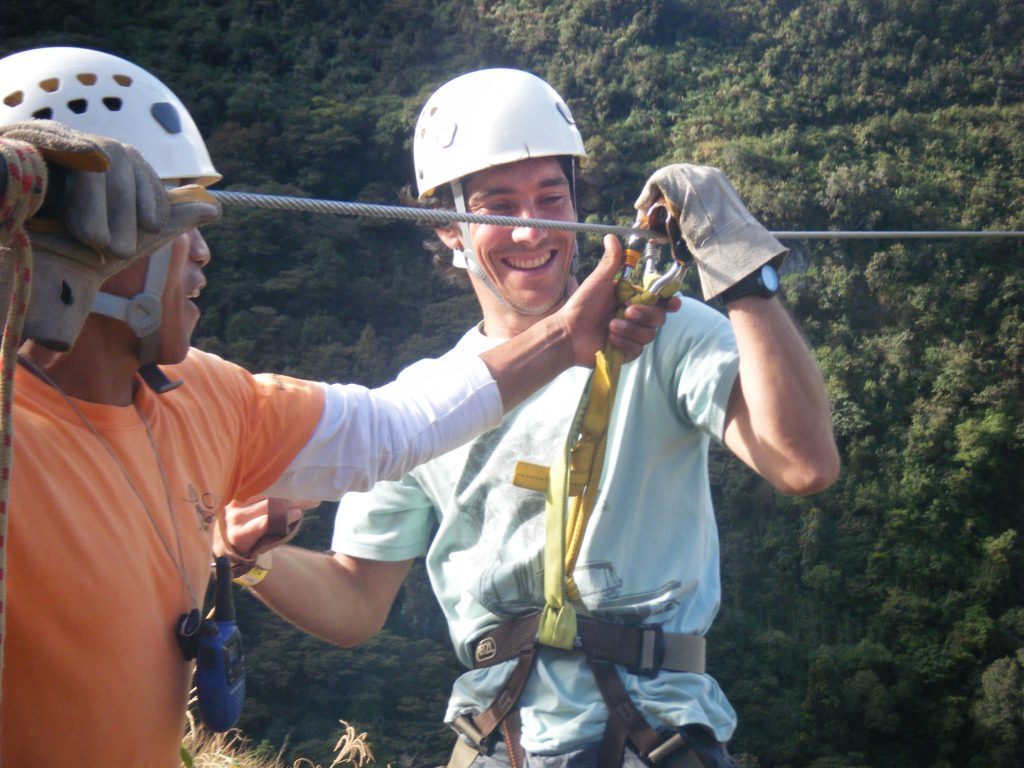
{"x":467,"y":731}
{"x":659,"y":218}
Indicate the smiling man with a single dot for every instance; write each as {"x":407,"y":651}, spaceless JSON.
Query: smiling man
{"x":128,"y":441}
{"x":504,"y":142}
{"x":532,"y":266}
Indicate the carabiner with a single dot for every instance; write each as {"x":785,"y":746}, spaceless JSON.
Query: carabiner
{"x":657,"y":218}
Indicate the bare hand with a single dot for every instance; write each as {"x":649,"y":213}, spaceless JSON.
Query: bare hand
{"x":639,"y":325}
{"x":589,"y":313}
{"x":246,"y":524}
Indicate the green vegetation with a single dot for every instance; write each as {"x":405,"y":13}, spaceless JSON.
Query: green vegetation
{"x":879,"y":624}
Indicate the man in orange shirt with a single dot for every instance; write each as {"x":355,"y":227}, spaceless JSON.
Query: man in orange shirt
{"x":129,"y":441}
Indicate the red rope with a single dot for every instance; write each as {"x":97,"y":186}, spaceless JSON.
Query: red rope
{"x":26,"y":185}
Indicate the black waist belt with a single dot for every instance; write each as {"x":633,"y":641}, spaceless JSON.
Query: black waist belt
{"x":643,"y":649}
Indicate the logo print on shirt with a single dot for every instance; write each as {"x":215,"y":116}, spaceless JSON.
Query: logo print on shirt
{"x":205,"y":505}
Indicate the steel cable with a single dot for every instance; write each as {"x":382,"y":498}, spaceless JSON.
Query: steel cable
{"x":437,"y":216}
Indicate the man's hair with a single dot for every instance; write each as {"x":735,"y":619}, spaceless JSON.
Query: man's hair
{"x":442,"y":199}
{"x":441,"y":254}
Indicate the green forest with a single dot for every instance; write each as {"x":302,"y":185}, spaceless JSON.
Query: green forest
{"x":879,"y":624}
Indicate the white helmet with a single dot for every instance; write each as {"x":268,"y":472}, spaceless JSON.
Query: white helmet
{"x":487,"y":118}
{"x":99,"y":93}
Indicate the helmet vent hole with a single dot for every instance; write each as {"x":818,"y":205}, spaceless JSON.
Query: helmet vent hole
{"x":78,"y":106}
{"x":50,"y":85}
{"x":112,"y":103}
{"x":167,"y":116}
{"x":43,"y":114}
{"x":14,"y":99}
{"x":67,"y":296}
{"x":564,"y":112}
{"x":87,"y":78}
{"x":123,"y":80}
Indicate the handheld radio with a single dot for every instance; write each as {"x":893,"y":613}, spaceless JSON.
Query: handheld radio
{"x":220,"y":668}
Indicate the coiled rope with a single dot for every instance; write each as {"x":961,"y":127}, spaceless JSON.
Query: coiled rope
{"x":26,"y":185}
{"x":441,"y":217}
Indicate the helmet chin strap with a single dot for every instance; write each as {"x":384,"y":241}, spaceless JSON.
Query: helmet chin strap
{"x":143,"y":314}
{"x":466,"y":258}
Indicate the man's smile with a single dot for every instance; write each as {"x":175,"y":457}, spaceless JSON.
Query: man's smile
{"x":526,"y":262}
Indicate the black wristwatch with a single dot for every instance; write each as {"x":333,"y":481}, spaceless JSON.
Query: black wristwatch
{"x":763,"y":282}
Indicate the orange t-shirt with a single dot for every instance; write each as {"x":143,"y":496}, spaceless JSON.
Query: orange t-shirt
{"x":93,"y":674}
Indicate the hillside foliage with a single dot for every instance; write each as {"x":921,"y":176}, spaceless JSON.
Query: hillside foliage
{"x":879,"y":624}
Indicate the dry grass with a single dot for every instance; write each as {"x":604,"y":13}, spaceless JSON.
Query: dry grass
{"x":202,"y":749}
{"x":352,"y":748}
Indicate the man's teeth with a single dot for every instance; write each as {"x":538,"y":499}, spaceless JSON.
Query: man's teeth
{"x":529,"y":263}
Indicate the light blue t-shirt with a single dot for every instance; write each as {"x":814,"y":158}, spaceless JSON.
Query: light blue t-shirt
{"x":650,"y":553}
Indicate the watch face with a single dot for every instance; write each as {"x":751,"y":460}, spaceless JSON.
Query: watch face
{"x":770,"y":278}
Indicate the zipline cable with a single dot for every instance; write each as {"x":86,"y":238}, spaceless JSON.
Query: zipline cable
{"x":437,"y":216}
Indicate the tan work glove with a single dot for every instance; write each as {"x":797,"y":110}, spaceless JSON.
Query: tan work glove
{"x":727,"y":242}
{"x":117,"y":210}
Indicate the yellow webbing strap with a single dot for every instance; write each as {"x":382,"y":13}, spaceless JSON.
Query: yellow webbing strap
{"x":557,"y":626}
{"x":577,"y":473}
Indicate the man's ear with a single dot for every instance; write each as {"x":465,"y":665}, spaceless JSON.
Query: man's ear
{"x":450,"y":236}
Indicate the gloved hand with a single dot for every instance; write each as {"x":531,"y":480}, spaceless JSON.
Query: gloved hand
{"x":727,"y":242}
{"x":116,"y":210}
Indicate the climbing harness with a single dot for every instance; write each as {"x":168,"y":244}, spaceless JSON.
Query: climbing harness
{"x":642,"y":650}
{"x":571,"y":486}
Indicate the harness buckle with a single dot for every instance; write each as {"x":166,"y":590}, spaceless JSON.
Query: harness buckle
{"x":467,"y":732}
{"x":651,"y":653}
